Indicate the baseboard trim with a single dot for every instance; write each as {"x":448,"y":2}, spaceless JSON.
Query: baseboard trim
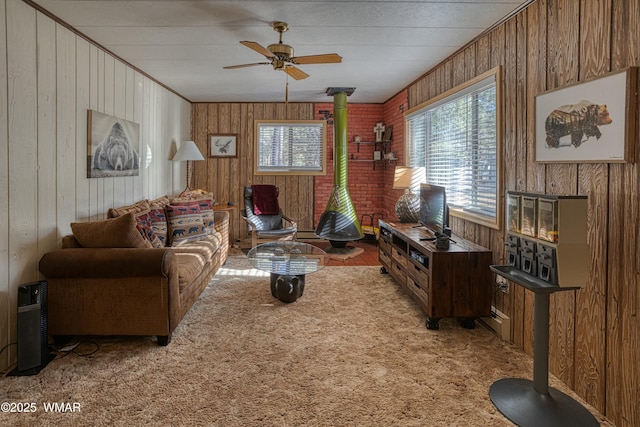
{"x":500,"y":324}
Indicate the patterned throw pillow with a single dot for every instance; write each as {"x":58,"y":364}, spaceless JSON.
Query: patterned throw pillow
{"x":206,"y":210}
{"x":136,"y":208}
{"x":184,"y":224}
{"x":160,"y":202}
{"x":195,"y":195}
{"x":140,"y":211}
{"x":144,"y":224}
{"x":159,"y":218}
{"x":159,"y":224}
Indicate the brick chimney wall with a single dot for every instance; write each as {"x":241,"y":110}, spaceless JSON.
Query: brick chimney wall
{"x":394,"y":110}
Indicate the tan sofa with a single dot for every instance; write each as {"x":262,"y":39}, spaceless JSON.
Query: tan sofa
{"x":114,"y":277}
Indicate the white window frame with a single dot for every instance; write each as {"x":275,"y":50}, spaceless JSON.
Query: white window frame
{"x":287,"y":169}
{"x":462,"y":196}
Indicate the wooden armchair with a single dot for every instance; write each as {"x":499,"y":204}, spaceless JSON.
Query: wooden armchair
{"x":267,"y":227}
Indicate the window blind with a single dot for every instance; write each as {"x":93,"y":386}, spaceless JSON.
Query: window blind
{"x":456,"y":140}
{"x":290,"y":146}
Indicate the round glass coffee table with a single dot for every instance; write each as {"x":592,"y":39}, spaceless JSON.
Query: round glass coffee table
{"x":288,"y":262}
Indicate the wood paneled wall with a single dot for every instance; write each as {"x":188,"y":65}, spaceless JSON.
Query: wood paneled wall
{"x":227,"y":177}
{"x":594,"y":332}
{"x":49,"y":77}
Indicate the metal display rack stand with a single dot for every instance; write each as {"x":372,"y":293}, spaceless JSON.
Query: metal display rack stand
{"x":534,"y":403}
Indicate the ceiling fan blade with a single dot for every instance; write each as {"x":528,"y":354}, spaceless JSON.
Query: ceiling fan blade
{"x":258,"y":48}
{"x":327,"y":58}
{"x":232,"y":67}
{"x":295,"y":72}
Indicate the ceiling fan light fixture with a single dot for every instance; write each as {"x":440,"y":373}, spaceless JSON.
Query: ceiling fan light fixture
{"x":280,"y":55}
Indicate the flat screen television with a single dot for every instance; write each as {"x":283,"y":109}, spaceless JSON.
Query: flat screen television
{"x":433,"y":207}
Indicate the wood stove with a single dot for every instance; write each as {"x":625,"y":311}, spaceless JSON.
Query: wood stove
{"x":339,"y":222}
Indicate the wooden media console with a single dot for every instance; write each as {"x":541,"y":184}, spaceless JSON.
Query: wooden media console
{"x":453,"y":282}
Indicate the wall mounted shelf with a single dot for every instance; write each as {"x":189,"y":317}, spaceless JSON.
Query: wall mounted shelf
{"x":381,"y":146}
{"x":382,"y":143}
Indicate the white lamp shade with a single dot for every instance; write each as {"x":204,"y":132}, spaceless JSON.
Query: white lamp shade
{"x":406,"y":177}
{"x":188,"y":151}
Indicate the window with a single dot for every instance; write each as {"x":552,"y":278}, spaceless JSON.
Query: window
{"x":457,"y":137}
{"x":290,"y":147}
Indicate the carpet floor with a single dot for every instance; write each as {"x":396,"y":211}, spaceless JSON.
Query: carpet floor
{"x":352,"y":351}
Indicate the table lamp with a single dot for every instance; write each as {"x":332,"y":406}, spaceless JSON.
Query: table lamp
{"x":408,"y":205}
{"x":187,"y":152}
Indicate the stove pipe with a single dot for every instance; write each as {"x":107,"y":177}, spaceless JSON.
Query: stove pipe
{"x":339,"y":222}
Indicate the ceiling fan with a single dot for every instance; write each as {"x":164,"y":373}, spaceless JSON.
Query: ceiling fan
{"x":281,"y":57}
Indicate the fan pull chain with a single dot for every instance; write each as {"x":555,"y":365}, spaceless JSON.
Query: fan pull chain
{"x":286,"y":93}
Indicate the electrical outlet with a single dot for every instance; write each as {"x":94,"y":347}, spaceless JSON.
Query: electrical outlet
{"x":503,"y":284}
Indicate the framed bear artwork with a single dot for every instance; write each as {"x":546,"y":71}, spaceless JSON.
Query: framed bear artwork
{"x":113,"y":146}
{"x":589,"y":122}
